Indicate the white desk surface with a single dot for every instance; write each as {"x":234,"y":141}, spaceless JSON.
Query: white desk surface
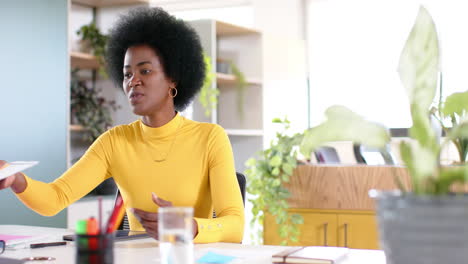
{"x":146,"y":250}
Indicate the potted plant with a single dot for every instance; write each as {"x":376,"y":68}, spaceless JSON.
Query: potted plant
{"x":89,"y":109}
{"x":427,"y":223}
{"x":93,"y":41}
{"x":266,"y":174}
{"x":450,"y":113}
{"x":208,"y":97}
{"x":241,"y":85}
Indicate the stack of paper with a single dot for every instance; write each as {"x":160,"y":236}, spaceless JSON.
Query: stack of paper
{"x":15,"y":167}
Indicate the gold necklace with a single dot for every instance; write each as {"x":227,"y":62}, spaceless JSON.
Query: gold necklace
{"x":149,"y":148}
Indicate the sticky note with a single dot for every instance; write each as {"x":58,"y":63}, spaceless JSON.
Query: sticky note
{"x":212,"y":257}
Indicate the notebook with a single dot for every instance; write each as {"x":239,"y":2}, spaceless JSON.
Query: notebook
{"x":311,"y":255}
{"x":14,"y":167}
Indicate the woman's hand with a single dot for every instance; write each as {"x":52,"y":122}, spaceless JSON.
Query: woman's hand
{"x":149,"y":220}
{"x":17,"y":182}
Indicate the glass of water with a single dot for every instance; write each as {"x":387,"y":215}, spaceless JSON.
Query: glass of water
{"x":175,"y":227}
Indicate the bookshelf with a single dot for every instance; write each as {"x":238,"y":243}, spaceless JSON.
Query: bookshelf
{"x":243,"y":121}
{"x":76,"y":128}
{"x":83,"y":61}
{"x":229,"y":79}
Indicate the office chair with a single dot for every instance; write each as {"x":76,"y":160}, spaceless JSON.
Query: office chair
{"x":125,"y":225}
{"x":373,"y":156}
{"x":327,"y":155}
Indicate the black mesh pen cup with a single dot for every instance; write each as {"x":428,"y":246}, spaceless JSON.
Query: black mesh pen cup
{"x":94,"y":249}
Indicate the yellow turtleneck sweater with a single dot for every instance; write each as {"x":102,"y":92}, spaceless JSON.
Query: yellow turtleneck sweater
{"x":185,"y":162}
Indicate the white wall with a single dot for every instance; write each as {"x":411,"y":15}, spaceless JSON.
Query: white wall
{"x":284,"y":63}
{"x":34,"y":98}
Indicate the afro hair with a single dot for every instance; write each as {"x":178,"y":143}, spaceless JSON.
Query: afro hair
{"x":174,"y":41}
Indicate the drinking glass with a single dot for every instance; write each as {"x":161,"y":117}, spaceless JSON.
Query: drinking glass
{"x":175,"y":235}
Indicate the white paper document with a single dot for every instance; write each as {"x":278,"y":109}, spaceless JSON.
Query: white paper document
{"x":14,"y":167}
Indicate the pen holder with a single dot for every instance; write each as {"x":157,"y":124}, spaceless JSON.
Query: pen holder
{"x":94,"y":249}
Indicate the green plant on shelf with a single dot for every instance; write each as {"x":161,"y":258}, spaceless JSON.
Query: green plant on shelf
{"x":241,"y":85}
{"x":89,"y":109}
{"x":267,"y":174}
{"x":208,"y":95}
{"x":93,"y":41}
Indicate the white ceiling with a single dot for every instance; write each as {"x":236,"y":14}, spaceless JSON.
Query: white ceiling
{"x":177,"y":5}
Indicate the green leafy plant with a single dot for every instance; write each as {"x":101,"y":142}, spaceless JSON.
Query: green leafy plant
{"x":208,"y":96}
{"x":418,"y":70}
{"x":241,"y":85}
{"x":266,"y":175}
{"x":89,"y":109}
{"x":95,"y":42}
{"x":450,"y":113}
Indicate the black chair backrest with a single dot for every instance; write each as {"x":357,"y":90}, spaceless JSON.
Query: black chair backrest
{"x":373,"y":156}
{"x":125,"y":225}
{"x":326,"y":154}
{"x":242,"y":184}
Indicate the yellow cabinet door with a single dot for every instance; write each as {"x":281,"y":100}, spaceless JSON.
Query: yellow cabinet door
{"x":357,"y":231}
{"x":318,"y":230}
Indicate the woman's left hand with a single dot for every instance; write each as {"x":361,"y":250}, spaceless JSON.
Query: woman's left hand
{"x":149,"y":220}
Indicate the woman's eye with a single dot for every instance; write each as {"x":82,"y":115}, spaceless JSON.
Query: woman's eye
{"x":127,"y":75}
{"x":145,"y":71}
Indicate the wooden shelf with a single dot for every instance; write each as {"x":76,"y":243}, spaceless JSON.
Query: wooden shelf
{"x":103,"y":3}
{"x":226,"y":29}
{"x":226,"y":79}
{"x":244,"y":132}
{"x":83,"y":61}
{"x":76,"y":128}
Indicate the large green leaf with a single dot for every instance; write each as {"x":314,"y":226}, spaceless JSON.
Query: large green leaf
{"x":420,"y":161}
{"x":418,"y":69}
{"x":344,"y":125}
{"x":456,"y":103}
{"x":419,"y":61}
{"x":422,"y":130}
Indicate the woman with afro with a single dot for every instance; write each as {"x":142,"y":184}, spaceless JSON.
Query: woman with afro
{"x":162,"y":159}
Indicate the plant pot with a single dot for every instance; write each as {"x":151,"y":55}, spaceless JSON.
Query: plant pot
{"x":422,"y":229}
{"x":85,"y":46}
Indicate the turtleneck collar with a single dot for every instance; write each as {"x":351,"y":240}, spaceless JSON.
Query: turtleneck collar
{"x":163,"y":131}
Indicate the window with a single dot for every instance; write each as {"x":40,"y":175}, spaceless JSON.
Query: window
{"x":354,"y":48}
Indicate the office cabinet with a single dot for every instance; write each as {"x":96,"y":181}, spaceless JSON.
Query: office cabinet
{"x":344,"y":228}
{"x":357,"y":230}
